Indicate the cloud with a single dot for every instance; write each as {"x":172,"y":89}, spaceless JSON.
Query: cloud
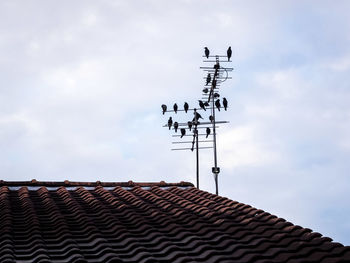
{"x":242,"y":148}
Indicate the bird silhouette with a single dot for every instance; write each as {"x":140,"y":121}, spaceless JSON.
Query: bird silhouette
{"x":176,"y":126}
{"x":206,"y":104}
{"x":186,"y":107}
{"x":229,"y":53}
{"x":208,"y":132}
{"x":197,"y":116}
{"x":175,"y":107}
{"x":205,"y":90}
{"x":201,"y":104}
{"x":183,"y":132}
{"x":208,"y":79}
{"x":224,"y":101}
{"x":164,"y":107}
{"x":217,"y":104}
{"x":216,"y":95}
{"x":206,"y":52}
{"x":189,"y":123}
{"x":211,"y":118}
{"x":170,"y":122}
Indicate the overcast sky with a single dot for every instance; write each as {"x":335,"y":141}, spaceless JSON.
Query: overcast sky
{"x":82,"y":83}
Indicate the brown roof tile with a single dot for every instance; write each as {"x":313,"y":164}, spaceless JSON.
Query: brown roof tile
{"x":146,"y":222}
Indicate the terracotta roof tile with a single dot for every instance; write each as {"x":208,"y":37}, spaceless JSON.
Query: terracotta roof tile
{"x":146,"y":222}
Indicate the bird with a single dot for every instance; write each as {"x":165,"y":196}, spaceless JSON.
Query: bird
{"x":186,"y":107}
{"x":208,"y":79}
{"x":164,"y":107}
{"x":201,"y":104}
{"x":216,"y":95}
{"x":176,"y":126}
{"x":211,"y":118}
{"x":205,"y":90}
{"x":170,"y":122}
{"x":183,"y":132}
{"x":189,"y":123}
{"x":175,"y":107}
{"x":206,"y":104}
{"x":217,"y":104}
{"x":197,"y":116}
{"x":224,"y":101}
{"x":208,"y":132}
{"x":206,"y":52}
{"x":229,"y":53}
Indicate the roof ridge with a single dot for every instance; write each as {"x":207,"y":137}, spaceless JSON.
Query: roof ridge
{"x":34,"y":182}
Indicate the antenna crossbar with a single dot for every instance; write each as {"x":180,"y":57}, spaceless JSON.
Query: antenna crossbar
{"x":181,"y":149}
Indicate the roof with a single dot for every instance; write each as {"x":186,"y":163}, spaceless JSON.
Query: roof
{"x":147,"y":222}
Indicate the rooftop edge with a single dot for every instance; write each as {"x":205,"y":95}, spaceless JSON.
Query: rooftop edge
{"x":34,"y":182}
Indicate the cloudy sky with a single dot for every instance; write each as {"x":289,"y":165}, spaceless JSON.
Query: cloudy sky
{"x":82,"y":83}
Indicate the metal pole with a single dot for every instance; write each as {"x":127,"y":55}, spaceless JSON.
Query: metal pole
{"x":215,"y":155}
{"x":197,"y":156}
{"x":215,"y":168}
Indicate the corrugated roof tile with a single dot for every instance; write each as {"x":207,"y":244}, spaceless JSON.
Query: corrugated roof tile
{"x":146,"y":222}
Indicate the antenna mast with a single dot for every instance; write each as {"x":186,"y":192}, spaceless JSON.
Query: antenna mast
{"x":216,"y":75}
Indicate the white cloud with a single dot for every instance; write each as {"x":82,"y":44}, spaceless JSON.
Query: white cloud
{"x":341,"y":64}
{"x":241,"y":147}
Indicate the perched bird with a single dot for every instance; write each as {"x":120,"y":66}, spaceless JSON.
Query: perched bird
{"x":208,"y":132}
{"x":176,"y":126}
{"x":164,"y":107}
{"x":189,"y":123}
{"x":216,"y":95}
{"x":206,"y":52}
{"x":206,"y":104}
{"x":224,"y":101}
{"x":201,"y":104}
{"x":229,"y":53}
{"x":175,"y":107}
{"x":186,"y":107}
{"x":217,"y":104}
{"x":208,"y":79}
{"x":183,"y":132}
{"x":205,"y":90}
{"x":211,"y":118}
{"x":170,"y":122}
{"x":197,"y":116}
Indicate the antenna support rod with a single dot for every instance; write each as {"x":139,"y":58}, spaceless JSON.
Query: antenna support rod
{"x":215,"y":169}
